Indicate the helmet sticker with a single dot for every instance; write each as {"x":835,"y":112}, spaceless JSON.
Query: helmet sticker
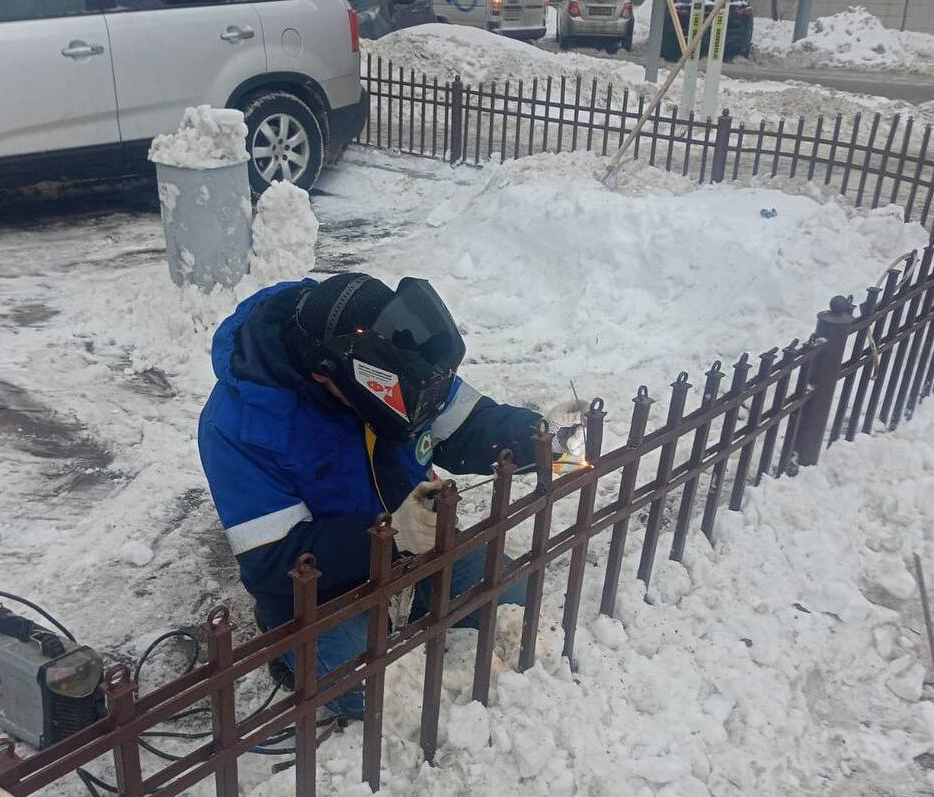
{"x":382,"y":384}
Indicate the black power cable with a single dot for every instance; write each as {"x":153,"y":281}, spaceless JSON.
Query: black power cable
{"x":40,"y":610}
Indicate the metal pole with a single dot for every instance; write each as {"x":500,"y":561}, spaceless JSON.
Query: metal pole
{"x":653,"y":53}
{"x":689,"y":84}
{"x":613,"y":166}
{"x":905,"y":15}
{"x":802,"y":19}
{"x":715,"y":62}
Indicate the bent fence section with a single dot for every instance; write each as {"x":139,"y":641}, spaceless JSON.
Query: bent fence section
{"x":736,"y":426}
{"x":872,"y":161}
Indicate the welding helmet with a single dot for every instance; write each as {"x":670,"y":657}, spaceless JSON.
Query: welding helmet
{"x":396,"y":368}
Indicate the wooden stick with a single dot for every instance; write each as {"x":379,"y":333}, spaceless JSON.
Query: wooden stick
{"x":613,"y":167}
{"x":925,"y":606}
{"x":676,"y":22}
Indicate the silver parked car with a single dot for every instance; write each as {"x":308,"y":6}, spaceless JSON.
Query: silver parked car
{"x":607,"y":23}
{"x":86,"y":84}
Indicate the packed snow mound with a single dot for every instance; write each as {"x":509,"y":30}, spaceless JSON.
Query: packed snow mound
{"x":850,"y":38}
{"x":547,"y":268}
{"x":206,"y":138}
{"x":285,"y":232}
{"x":479,"y":56}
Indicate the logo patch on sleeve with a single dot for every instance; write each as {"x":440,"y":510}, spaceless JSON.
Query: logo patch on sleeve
{"x":423,"y":448}
{"x":382,"y":384}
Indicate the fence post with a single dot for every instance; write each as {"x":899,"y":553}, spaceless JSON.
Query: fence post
{"x":305,"y":602}
{"x":593,"y":425}
{"x":833,"y":325}
{"x":542,"y":528}
{"x":627,"y":486}
{"x":721,"y":147}
{"x":446,"y":505}
{"x":218,"y":631}
{"x":377,"y":643}
{"x":118,"y":687}
{"x":455,"y":145}
{"x":492,"y":575}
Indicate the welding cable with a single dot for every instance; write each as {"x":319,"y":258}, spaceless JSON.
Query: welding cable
{"x":92,"y":783}
{"x":178,"y":632}
{"x":41,"y":611}
{"x":192,"y":662}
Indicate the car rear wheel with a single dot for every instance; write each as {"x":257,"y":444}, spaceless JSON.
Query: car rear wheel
{"x":284,"y":141}
{"x":613,"y":48}
{"x":564,"y":42}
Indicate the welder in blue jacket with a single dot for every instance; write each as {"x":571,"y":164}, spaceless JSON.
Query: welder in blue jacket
{"x":332,"y":402}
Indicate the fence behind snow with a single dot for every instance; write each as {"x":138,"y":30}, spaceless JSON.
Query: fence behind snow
{"x":873,"y":161}
{"x":744,"y":423}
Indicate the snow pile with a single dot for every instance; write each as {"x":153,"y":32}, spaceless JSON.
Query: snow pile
{"x":787,"y":660}
{"x":478,"y":56}
{"x":850,"y":38}
{"x":285,"y":232}
{"x":206,"y":138}
{"x":547,"y":270}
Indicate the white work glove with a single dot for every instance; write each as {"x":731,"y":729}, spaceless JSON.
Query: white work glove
{"x":566,"y":423}
{"x":415,"y":521}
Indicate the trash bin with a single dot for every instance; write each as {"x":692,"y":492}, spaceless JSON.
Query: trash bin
{"x":204,"y":192}
{"x":207,"y":215}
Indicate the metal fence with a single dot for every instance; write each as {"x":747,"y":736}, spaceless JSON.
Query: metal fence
{"x":769,"y":419}
{"x":870,"y":160}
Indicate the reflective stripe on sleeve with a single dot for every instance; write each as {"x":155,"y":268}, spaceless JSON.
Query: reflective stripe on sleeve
{"x":455,"y":413}
{"x":266,"y":529}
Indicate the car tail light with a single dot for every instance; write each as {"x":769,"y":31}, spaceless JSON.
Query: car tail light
{"x":626,"y":11}
{"x":496,"y":7}
{"x":354,"y":30}
{"x":574,"y":9}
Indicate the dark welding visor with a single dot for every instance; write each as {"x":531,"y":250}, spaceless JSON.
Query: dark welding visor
{"x":397,"y":373}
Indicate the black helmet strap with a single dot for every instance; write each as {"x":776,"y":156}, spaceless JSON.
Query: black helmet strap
{"x":338,"y":307}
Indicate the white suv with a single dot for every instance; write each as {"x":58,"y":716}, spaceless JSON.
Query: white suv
{"x":86,"y":84}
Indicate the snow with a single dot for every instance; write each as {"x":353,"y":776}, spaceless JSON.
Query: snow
{"x":206,"y":139}
{"x":853,"y":38}
{"x":717,"y":685}
{"x":285,"y":232}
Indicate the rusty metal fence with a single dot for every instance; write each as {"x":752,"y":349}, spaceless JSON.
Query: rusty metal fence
{"x":744,"y":423}
{"x":872,"y":161}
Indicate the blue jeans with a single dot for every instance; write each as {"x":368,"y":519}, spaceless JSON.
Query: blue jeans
{"x":348,"y":640}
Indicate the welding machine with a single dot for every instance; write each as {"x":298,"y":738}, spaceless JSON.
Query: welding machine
{"x":49,"y":685}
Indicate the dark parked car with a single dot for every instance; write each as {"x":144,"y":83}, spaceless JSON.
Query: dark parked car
{"x":738,"y":32}
{"x":379,"y":17}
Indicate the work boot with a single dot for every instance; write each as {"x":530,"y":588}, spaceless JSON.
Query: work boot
{"x":279,"y":670}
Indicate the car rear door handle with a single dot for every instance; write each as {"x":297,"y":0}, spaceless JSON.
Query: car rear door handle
{"x":237,"y":34}
{"x":79,"y":49}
